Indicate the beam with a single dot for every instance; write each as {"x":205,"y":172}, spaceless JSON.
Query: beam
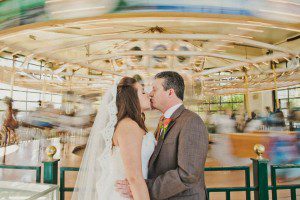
{"x":242,"y":74}
{"x":66,"y":61}
{"x":38,"y":72}
{"x":253,"y":86}
{"x":162,"y":53}
{"x":136,"y":36}
{"x":242,"y":90}
{"x":256,"y":60}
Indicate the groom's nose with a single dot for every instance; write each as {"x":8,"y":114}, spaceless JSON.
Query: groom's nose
{"x":151,"y":94}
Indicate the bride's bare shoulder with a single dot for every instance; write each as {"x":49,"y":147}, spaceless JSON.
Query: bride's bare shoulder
{"x":128,"y":124}
{"x":127,"y":130}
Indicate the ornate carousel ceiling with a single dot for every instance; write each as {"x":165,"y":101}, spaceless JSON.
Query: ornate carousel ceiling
{"x":217,"y":54}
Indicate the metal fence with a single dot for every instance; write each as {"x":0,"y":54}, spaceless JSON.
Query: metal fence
{"x":38,"y":170}
{"x":260,"y":173}
{"x":260,"y":177}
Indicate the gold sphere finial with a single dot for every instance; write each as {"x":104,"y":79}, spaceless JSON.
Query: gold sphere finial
{"x":259,"y":149}
{"x":51,"y":151}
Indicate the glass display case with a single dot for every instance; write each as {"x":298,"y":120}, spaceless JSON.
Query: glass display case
{"x":28,"y":191}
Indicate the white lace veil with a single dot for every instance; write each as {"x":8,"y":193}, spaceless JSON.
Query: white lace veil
{"x":98,"y":148}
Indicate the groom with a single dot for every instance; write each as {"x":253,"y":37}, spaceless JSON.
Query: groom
{"x":176,"y":168}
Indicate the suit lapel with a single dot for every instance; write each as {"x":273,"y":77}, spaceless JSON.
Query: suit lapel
{"x":174,"y":116}
{"x":169,"y":128}
{"x":160,"y":143}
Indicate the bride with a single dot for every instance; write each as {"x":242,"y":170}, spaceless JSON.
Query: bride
{"x":119,"y":146}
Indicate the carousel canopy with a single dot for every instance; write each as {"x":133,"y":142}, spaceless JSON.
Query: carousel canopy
{"x":216,"y":53}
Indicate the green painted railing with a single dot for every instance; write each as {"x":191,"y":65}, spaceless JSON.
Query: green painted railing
{"x":260,"y":178}
{"x":260,"y":186}
{"x":247,"y":188}
{"x":64,"y":189}
{"x":276,"y":187}
{"x":36,"y":168}
{"x":228,"y":190}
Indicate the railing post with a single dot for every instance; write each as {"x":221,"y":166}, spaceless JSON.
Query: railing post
{"x":260,"y":174}
{"x":38,"y":174}
{"x":50,"y":166}
{"x":62,"y":184}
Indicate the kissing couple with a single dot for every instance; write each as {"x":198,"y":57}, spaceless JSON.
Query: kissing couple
{"x":122,"y":160}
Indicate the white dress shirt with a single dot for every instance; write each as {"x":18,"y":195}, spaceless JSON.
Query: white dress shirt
{"x":171,"y":110}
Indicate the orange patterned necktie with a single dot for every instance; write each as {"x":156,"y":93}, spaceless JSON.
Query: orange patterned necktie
{"x":158,"y":129}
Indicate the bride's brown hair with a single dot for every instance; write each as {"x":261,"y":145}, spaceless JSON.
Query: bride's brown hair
{"x":128,"y":103}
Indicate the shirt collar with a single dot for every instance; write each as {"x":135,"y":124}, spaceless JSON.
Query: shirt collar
{"x":171,"y":110}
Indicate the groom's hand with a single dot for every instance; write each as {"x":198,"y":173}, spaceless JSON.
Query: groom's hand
{"x":122,"y":186}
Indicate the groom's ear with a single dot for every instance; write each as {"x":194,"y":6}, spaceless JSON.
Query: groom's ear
{"x":171,"y":91}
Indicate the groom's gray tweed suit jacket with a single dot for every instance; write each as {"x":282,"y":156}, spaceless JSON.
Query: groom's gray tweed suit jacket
{"x":176,"y":168}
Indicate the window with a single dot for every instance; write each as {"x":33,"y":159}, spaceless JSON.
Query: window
{"x":46,"y":97}
{"x":6,"y":62}
{"x":32,"y":106}
{"x":25,"y":99}
{"x":282,"y":94}
{"x":19,"y":96}
{"x":34,"y":67}
{"x":289,"y":98}
{"x":4,"y":86}
{"x":232,"y":102}
{"x":56,"y":98}
{"x":19,"y":88}
{"x":19,"y":105}
{"x":4,"y":93}
{"x":219,"y":103}
{"x":32,"y":96}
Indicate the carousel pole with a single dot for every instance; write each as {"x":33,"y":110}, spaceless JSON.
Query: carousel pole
{"x":43,"y":104}
{"x":44,"y":89}
{"x":275,"y":84}
{"x":70,"y":78}
{"x":44,"y":86}
{"x":12,"y":82}
{"x":173,"y":57}
{"x":12,"y":78}
{"x":247,"y":94}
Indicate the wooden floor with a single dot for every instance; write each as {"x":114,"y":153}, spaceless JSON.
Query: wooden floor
{"x":32,"y":153}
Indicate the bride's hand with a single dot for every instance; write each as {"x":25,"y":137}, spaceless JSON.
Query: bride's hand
{"x":122,"y":186}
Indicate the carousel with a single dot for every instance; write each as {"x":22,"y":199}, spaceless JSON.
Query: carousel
{"x":217,"y":54}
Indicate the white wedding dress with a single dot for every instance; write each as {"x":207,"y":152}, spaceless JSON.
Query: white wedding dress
{"x":102,"y":165}
{"x":114,"y":169}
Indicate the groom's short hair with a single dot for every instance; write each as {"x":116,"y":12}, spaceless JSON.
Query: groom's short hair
{"x":172,"y":80}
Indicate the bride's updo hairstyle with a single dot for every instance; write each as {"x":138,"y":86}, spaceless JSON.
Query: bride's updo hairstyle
{"x":128,"y":103}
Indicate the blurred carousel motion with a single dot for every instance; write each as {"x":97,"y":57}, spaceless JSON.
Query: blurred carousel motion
{"x":71,"y":123}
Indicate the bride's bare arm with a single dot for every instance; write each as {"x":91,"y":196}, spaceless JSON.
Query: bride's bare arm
{"x":129,"y":138}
